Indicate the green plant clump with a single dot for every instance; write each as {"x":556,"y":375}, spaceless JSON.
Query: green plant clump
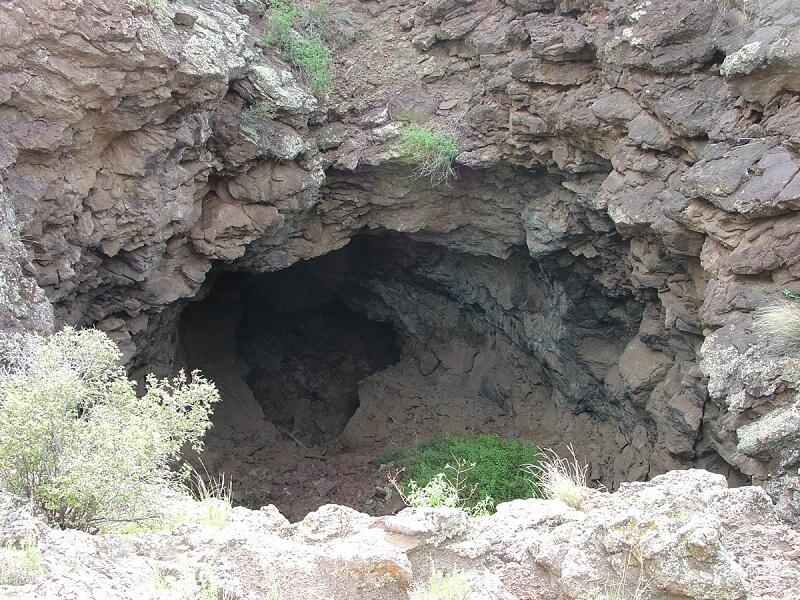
{"x":302,"y":46}
{"x":260,"y":112}
{"x":431,"y":151}
{"x":20,"y":566}
{"x":77,"y":441}
{"x":789,"y":295}
{"x":496,"y":473}
{"x":441,"y":586}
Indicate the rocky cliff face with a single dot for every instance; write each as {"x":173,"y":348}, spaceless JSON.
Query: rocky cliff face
{"x":627,"y":196}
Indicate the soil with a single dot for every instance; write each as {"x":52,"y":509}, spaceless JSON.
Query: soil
{"x":298,"y":479}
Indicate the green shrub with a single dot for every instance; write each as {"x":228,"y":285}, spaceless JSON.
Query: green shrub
{"x":282,"y":16}
{"x":302,"y":46}
{"x":473,"y":466}
{"x":446,"y":490}
{"x":310,"y":54}
{"x":77,"y":441}
{"x":431,"y":151}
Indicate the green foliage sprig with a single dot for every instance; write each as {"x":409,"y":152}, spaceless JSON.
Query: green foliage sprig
{"x":304,"y":47}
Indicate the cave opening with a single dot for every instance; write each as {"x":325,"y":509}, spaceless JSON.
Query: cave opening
{"x":392,"y":338}
{"x":307,"y":350}
{"x":287,"y":350}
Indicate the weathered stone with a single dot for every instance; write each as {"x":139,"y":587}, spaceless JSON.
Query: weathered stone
{"x":682,"y":534}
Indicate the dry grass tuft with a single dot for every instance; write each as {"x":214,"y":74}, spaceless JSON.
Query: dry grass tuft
{"x":779,"y":325}
{"x":558,"y":478}
{"x":215,"y":495}
{"x":624,"y":588}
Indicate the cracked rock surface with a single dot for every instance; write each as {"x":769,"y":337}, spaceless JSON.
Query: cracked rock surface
{"x":694,"y":537}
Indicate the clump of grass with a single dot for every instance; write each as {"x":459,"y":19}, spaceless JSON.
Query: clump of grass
{"x":440,"y":586}
{"x":302,"y":46}
{"x":779,"y":324}
{"x":559,"y":478}
{"x":431,"y":151}
{"x":473,"y":467}
{"x":214,"y":495}
{"x":260,"y":112}
{"x":162,"y":583}
{"x":210,"y":591}
{"x":623,"y":589}
{"x":21,"y":566}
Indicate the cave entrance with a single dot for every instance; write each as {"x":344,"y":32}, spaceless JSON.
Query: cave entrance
{"x":392,"y":338}
{"x":287,"y":351}
{"x":307,"y":350}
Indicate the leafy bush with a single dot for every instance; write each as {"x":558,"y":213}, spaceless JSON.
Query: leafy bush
{"x":431,"y":151}
{"x":473,"y":467}
{"x":779,"y":324}
{"x":310,"y":54}
{"x":302,"y":46}
{"x":77,"y":441}
{"x":453,"y":586}
{"x":446,"y":490}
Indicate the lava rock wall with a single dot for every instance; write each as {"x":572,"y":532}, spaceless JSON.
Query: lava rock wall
{"x":650,"y":147}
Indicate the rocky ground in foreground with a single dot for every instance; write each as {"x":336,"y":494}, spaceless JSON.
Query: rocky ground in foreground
{"x":694,"y":537}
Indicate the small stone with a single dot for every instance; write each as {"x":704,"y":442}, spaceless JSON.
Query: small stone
{"x":448,"y":104}
{"x":184,"y":19}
